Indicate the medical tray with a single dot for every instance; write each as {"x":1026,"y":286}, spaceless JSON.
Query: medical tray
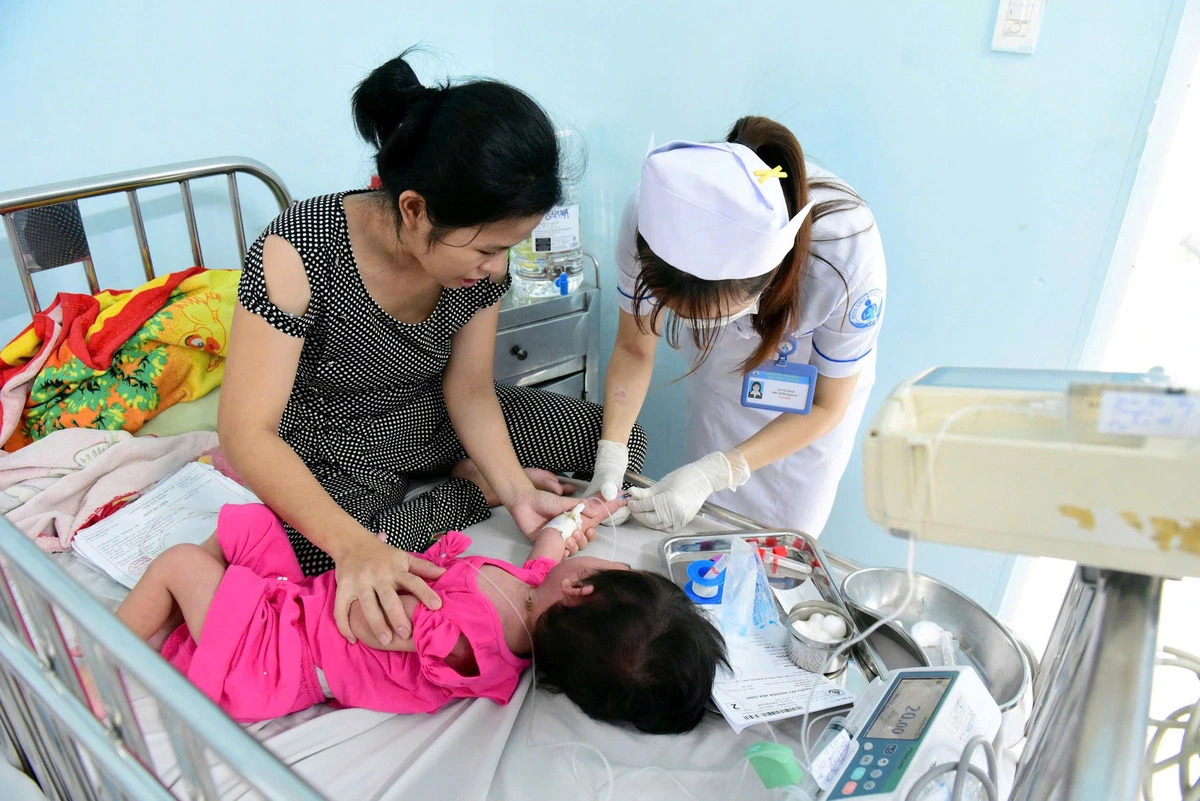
{"x":870,"y":659}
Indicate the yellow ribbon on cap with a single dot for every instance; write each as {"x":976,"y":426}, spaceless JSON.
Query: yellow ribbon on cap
{"x":774,"y":172}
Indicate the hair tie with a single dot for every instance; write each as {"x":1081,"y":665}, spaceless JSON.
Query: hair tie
{"x":774,"y":172}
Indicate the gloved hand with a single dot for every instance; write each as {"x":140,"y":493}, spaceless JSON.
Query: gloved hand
{"x":612,"y":459}
{"x":671,"y":503}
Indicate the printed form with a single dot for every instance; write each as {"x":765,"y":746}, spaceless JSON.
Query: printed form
{"x":180,"y":508}
{"x":766,"y":685}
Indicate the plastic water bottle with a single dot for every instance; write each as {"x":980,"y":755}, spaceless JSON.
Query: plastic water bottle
{"x":550,"y":261}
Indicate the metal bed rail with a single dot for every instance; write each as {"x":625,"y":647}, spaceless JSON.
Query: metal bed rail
{"x":77,"y":754}
{"x":45,"y":228}
{"x":73,"y":752}
{"x":1087,"y":730}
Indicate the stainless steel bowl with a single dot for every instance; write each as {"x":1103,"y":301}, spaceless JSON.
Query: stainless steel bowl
{"x":813,"y":655}
{"x":985,"y":642}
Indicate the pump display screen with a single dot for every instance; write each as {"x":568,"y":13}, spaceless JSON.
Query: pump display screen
{"x":909,"y":708}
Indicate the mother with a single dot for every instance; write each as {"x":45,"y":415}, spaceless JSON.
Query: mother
{"x":362,"y":346}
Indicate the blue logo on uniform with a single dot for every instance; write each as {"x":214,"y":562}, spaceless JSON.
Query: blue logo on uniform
{"x":866,"y":310}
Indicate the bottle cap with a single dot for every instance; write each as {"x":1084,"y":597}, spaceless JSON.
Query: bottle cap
{"x":775,"y":764}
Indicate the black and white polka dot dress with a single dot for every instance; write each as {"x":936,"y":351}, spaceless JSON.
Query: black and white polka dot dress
{"x":366,"y":410}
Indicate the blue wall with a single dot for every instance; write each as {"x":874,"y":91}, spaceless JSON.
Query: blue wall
{"x":997,"y":180}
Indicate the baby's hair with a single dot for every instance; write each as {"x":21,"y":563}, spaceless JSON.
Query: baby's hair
{"x":636,"y":649}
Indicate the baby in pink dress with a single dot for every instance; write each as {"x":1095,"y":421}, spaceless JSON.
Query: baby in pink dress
{"x":259,"y":638}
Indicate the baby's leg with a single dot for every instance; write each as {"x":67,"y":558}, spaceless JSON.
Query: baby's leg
{"x":213,"y":547}
{"x":184,"y":575}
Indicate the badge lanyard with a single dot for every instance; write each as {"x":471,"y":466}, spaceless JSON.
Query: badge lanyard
{"x":780,"y":386}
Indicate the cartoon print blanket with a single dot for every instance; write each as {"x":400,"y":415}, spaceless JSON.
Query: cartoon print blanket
{"x":114,"y":360}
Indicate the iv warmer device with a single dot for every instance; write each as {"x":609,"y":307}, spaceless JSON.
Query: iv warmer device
{"x":1099,"y":468}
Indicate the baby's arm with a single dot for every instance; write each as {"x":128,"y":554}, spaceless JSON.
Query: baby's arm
{"x":568,"y":532}
{"x":549,"y":545}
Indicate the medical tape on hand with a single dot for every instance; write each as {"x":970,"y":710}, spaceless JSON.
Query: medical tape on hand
{"x":568,"y":522}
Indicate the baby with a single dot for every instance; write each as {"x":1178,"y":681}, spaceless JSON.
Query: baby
{"x":259,"y":638}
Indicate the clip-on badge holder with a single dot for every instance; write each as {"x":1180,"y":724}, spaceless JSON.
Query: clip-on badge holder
{"x":780,"y":386}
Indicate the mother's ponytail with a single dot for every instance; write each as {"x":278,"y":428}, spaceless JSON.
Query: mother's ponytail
{"x":384,"y":99}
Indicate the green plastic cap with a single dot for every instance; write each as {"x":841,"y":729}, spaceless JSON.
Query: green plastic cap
{"x":775,"y":764}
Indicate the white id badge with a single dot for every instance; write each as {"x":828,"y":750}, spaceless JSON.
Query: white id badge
{"x":778,"y":386}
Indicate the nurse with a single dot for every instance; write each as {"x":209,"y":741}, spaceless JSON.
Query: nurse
{"x":770,"y":272}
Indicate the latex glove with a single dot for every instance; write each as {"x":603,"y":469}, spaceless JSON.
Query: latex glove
{"x":672,"y":503}
{"x":612,"y":460}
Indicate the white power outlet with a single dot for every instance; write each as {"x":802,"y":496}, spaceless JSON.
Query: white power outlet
{"x":1017,"y":25}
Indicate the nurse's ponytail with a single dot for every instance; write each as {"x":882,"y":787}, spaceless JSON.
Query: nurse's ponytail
{"x":780,"y":303}
{"x":780,"y":291}
{"x":478,"y":152}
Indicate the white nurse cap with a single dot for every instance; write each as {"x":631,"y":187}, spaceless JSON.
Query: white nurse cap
{"x":715,"y":210}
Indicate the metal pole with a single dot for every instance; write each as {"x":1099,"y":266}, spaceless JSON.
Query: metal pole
{"x":89,"y":271}
{"x":139,"y":228}
{"x":189,"y":214}
{"x":239,"y":226}
{"x":10,"y":229}
{"x":1087,"y":737}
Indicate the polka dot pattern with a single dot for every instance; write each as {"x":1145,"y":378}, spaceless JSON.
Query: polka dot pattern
{"x":366,"y":412}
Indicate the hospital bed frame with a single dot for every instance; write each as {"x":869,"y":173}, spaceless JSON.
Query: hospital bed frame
{"x":45,"y":227}
{"x":1094,"y":687}
{"x":74,"y":754}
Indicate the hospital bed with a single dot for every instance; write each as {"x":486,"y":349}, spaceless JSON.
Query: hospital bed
{"x":159,"y":737}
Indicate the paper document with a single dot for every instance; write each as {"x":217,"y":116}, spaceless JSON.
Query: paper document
{"x":766,"y":685}
{"x":180,"y":508}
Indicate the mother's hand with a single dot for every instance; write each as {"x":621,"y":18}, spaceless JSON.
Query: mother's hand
{"x":374,"y":573}
{"x":533,"y":508}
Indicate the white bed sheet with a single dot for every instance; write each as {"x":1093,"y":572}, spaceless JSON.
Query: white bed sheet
{"x":476,"y":749}
{"x":538,"y":746}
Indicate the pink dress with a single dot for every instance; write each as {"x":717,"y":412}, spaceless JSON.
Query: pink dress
{"x":269,"y":628}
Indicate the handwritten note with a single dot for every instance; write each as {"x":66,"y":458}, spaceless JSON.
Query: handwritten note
{"x":1149,"y":414}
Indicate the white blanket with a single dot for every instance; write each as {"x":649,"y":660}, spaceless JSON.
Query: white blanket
{"x":50,"y":488}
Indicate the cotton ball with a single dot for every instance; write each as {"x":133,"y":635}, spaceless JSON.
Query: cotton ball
{"x":806,"y":629}
{"x":926,"y":633}
{"x":816,"y":619}
{"x":834,"y":626}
